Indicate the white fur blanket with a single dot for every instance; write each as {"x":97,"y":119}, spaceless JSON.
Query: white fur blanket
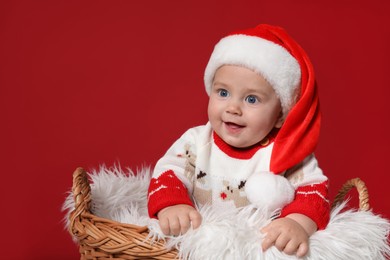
{"x":235,"y":234}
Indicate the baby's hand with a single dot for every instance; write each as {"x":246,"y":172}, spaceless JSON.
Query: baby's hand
{"x":287,"y":235}
{"x":176,"y":220}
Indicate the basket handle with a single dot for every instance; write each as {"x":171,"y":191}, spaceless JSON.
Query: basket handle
{"x":81,"y":194}
{"x":361,"y":189}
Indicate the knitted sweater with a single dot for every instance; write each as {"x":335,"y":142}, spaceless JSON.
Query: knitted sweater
{"x":200,"y":168}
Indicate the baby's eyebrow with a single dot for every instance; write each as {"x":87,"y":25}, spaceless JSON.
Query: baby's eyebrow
{"x":219,"y":83}
{"x":257,"y":91}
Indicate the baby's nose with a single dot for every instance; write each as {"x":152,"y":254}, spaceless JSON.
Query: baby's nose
{"x":234,"y":108}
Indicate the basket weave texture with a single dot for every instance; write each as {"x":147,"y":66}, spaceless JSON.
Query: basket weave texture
{"x":101,"y":238}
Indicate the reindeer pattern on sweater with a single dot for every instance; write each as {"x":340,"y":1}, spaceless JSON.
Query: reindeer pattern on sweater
{"x":199,"y":168}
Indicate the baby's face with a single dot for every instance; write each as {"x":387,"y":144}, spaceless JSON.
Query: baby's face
{"x":243,"y":107}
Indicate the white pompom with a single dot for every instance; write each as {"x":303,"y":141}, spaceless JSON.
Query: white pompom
{"x":269,"y":191}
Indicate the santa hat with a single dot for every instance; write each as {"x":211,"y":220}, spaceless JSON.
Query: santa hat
{"x":271,"y":52}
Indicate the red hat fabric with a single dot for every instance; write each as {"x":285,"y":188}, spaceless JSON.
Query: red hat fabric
{"x":270,"y":51}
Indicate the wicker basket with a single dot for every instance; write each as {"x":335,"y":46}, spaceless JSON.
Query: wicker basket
{"x":101,"y":238}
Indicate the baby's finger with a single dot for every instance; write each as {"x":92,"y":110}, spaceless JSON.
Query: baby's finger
{"x":281,"y":242}
{"x":303,"y":249}
{"x":269,"y":240}
{"x":267,"y":243}
{"x":291,"y":247}
{"x":196,"y":219}
{"x":164,"y":225}
{"x":185,"y":223}
{"x":174,"y":226}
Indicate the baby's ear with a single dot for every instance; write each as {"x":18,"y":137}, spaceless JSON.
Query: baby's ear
{"x":280,"y":120}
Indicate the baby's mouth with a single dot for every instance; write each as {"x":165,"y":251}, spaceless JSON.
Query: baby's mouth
{"x":233,"y":126}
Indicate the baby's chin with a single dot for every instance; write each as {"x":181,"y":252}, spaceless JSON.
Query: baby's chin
{"x":241,"y":145}
{"x":238,"y":141}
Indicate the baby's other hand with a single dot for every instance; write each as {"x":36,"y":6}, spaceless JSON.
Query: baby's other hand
{"x":287,"y":235}
{"x":176,"y":220}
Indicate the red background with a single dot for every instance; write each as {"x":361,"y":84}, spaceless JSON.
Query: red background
{"x":84,"y":83}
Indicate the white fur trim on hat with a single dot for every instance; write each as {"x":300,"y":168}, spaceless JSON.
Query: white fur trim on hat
{"x":269,"y":59}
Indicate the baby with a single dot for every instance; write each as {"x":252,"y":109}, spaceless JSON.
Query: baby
{"x":257,"y":147}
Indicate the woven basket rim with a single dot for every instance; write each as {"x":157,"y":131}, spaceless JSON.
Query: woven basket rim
{"x":101,"y":238}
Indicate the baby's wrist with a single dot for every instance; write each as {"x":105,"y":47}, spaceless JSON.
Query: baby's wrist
{"x":305,"y":222}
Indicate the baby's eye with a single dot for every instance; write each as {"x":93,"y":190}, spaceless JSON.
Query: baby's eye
{"x":223,"y":93}
{"x":251,"y":99}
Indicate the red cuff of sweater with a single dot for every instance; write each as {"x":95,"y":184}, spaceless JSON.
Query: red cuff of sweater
{"x":311,"y":201}
{"x":164,"y":191}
